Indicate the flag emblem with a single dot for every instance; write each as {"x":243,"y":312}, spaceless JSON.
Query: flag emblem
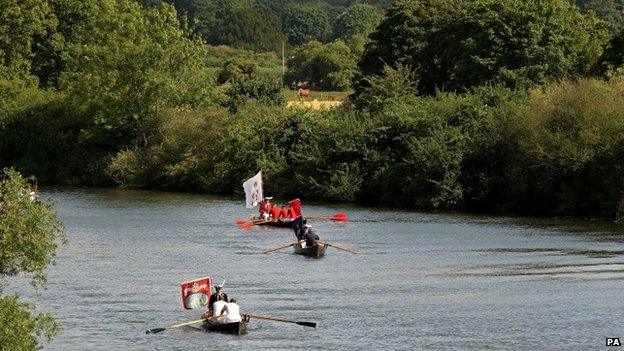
{"x":195,"y":293}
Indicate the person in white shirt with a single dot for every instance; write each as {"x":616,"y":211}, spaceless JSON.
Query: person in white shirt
{"x":217,"y":308}
{"x":231,"y":311}
{"x":217,"y":311}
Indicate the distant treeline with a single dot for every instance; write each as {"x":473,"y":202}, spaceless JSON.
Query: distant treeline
{"x":488,"y":105}
{"x":262,"y":25}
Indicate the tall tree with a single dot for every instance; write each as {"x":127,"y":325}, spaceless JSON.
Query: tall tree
{"x":303,"y":23}
{"x":22,"y":23}
{"x":455,"y":45}
{"x":323,"y":66}
{"x":359,"y":19}
{"x":248,"y":28}
{"x":612,"y":11}
{"x":130,"y":63}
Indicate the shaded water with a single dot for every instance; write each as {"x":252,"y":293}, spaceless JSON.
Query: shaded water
{"x":422,"y":282}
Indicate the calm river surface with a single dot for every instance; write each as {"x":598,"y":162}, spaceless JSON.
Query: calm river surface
{"x":423,"y":281}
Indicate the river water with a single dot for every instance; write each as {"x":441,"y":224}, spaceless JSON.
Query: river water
{"x":422,"y":281}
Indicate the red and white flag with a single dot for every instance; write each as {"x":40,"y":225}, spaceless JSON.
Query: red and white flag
{"x":196,"y":293}
{"x":253,"y":190}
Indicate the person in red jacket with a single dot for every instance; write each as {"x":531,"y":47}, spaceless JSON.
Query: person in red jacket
{"x":275,"y":212}
{"x":285,"y":213}
{"x":265,"y":207}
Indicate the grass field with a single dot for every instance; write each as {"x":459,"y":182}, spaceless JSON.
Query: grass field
{"x":291,"y":95}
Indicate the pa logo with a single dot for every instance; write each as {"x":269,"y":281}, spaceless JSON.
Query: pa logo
{"x":614,"y":342}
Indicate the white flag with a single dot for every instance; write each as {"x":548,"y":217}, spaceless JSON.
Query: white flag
{"x":253,"y":190}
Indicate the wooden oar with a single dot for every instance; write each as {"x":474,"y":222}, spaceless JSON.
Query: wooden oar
{"x":159,"y":330}
{"x":279,"y":248}
{"x":337,"y":247}
{"x":338,"y":217}
{"x":305,"y":324}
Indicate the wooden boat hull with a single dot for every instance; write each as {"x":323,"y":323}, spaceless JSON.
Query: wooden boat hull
{"x":278,"y":223}
{"x":317,"y":251}
{"x":236,"y":328}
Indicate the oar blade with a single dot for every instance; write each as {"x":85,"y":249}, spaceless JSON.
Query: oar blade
{"x":155,"y":330}
{"x":307,"y":324}
{"x":340,"y":217}
{"x":247,"y":224}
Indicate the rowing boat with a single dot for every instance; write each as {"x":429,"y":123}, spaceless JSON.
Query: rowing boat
{"x":236,"y":328}
{"x":316,"y":251}
{"x":278,"y":223}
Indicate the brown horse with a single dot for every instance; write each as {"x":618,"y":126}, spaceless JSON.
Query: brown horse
{"x":303,"y":93}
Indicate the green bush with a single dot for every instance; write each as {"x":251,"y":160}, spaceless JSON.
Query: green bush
{"x":256,"y":87}
{"x":570,"y":146}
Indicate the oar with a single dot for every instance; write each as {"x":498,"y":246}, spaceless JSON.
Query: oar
{"x":338,"y":217}
{"x":279,"y":248}
{"x":337,"y":247}
{"x":160,"y":330}
{"x":305,"y":324}
{"x":246,"y":224}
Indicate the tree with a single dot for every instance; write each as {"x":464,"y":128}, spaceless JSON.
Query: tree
{"x":129,"y":63}
{"x":453,"y":45}
{"x":612,"y":11}
{"x":21,"y":24}
{"x":303,"y":23}
{"x":613,"y":56}
{"x":234,"y":69}
{"x":248,"y":28}
{"x":359,"y":19}
{"x":260,"y":88}
{"x":323,"y":66}
{"x":29,"y":235}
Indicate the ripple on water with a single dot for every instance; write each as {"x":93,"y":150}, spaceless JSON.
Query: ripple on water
{"x":424,"y":281}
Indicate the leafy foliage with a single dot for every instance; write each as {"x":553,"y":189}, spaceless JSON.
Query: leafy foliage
{"x":250,"y":29}
{"x":21,"y":328}
{"x":613,"y":56}
{"x":303,"y":23}
{"x":612,"y":11}
{"x":125,"y":47}
{"x":21,"y":24}
{"x":323,"y":66}
{"x":29,"y":235}
{"x":455,"y":45}
{"x":256,"y":87}
{"x":359,"y":19}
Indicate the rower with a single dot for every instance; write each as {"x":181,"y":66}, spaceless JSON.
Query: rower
{"x":231,"y":312}
{"x":219,"y":295}
{"x":265,"y":207}
{"x":275,"y":212}
{"x":285,"y":214}
{"x":309,"y":236}
{"x":299,"y":225}
{"x":217,"y":309}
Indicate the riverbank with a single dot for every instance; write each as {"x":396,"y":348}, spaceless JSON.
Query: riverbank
{"x":554,"y":151}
